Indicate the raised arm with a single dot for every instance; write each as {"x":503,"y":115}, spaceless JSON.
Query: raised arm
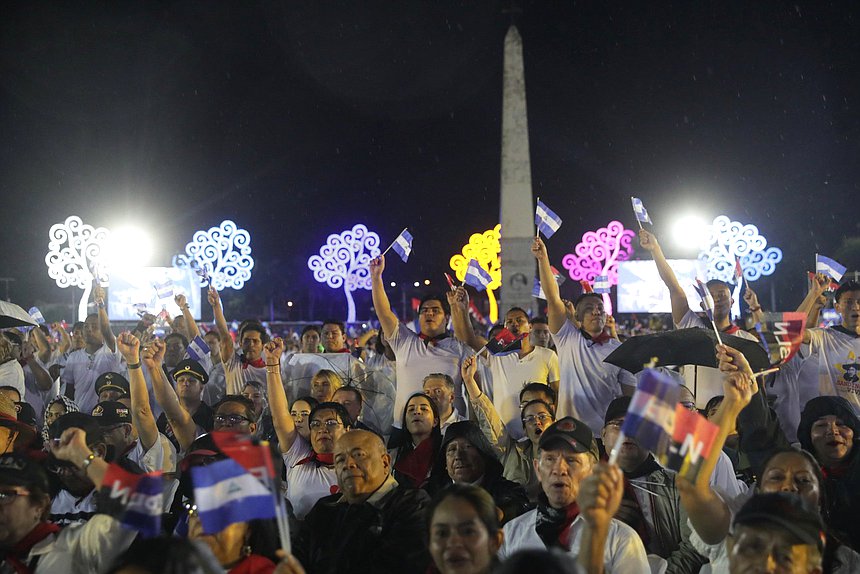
{"x":221,"y":324}
{"x":72,"y":447}
{"x":751,"y":299}
{"x":43,"y":378}
{"x":485,"y":413}
{"x":599,"y":500}
{"x":381,"y":304}
{"x":100,"y":298}
{"x":555,"y":309}
{"x":184,"y":427}
{"x":811,"y":303}
{"x":463,"y":331}
{"x":649,"y":242}
{"x":285,"y":427}
{"x":65,"y":339}
{"x":141,"y":413}
{"x":191,"y":324}
{"x":42,"y":344}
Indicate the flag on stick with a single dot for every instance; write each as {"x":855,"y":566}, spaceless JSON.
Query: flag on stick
{"x":650,"y":417}
{"x":781,"y":335}
{"x":547,"y":220}
{"x":537,"y":289}
{"x":833,"y":284}
{"x":476,"y":276}
{"x":137,"y":500}
{"x":36,"y":315}
{"x":601,"y":284}
{"x":692,"y":439}
{"x":640,"y":211}
{"x":450,"y":281}
{"x":225,"y":493}
{"x":197,"y":349}
{"x":164,"y":289}
{"x":829,"y":267}
{"x":739,"y":272}
{"x":504,"y":343}
{"x":708,"y":304}
{"x":402,"y":245}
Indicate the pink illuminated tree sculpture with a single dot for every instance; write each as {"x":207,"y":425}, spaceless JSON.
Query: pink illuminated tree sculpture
{"x":599,"y":254}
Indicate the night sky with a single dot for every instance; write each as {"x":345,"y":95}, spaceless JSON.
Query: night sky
{"x":299,"y":119}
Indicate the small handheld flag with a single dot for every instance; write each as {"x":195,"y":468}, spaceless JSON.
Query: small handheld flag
{"x":708,"y":304}
{"x":36,"y":315}
{"x":137,"y":500}
{"x":547,"y":220}
{"x":781,"y":335}
{"x":586,"y":286}
{"x":537,"y":290}
{"x":640,"y":211}
{"x":476,"y":276}
{"x":739,"y":272}
{"x":164,"y":289}
{"x":692,"y":440}
{"x":601,"y":284}
{"x":650,"y":417}
{"x":402,"y":245}
{"x":450,"y":281}
{"x":197,"y":349}
{"x":833,"y":284}
{"x":504,"y":343}
{"x":201,"y":271}
{"x":829,"y":267}
{"x":226,"y":493}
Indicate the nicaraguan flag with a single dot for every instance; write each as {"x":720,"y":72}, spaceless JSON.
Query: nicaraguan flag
{"x":36,"y":315}
{"x":137,"y":500}
{"x":476,"y":276}
{"x":640,"y":211}
{"x":650,"y":418}
{"x":537,"y":290}
{"x":403,"y":245}
{"x":601,"y":284}
{"x":225,"y":493}
{"x":546,"y":220}
{"x":829,"y":267}
{"x":707,"y":300}
{"x":197,"y":349}
{"x":739,"y":271}
{"x":164,"y":290}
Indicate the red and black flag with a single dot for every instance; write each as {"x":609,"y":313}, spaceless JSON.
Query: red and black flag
{"x":781,"y":335}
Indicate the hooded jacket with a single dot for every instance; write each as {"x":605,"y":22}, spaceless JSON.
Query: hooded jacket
{"x":509,"y":496}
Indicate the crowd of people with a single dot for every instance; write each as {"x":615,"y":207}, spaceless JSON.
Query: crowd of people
{"x":423,"y":451}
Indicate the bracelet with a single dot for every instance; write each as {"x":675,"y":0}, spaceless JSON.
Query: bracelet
{"x":755,"y":309}
{"x":184,"y":307}
{"x":134,"y":365}
{"x":100,"y":304}
{"x":89,"y":460}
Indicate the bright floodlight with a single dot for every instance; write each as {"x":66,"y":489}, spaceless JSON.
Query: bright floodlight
{"x":690,"y":232}
{"x":128,"y":247}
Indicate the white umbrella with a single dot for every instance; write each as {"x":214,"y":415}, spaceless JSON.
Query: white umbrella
{"x":11,"y":315}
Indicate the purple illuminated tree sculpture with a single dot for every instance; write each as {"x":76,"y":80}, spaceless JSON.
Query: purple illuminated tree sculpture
{"x":598,"y":254}
{"x":344,"y":262}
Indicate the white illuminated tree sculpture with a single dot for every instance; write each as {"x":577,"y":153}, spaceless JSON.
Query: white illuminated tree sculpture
{"x":224,"y":252}
{"x":74,"y":248}
{"x":344,"y":262}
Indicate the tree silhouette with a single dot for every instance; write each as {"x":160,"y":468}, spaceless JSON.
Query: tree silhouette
{"x":224,"y":252}
{"x":485,"y":248}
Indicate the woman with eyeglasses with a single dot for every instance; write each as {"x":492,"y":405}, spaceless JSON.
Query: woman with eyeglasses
{"x":309,"y":463}
{"x":516,"y":456}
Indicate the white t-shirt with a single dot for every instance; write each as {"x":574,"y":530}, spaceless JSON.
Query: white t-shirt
{"x":308,"y":482}
{"x":838,"y":364}
{"x":82,"y":370}
{"x":216,"y":388}
{"x":705,"y":382}
{"x":794,"y":385}
{"x":67,"y":509}
{"x":509,"y":374}
{"x":154,"y":459}
{"x":587,"y":384}
{"x":415,"y":360}
{"x":623,"y":552}
{"x":236,"y":375}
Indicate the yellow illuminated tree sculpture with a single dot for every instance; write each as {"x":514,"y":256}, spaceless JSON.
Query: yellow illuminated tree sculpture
{"x":485,"y":249}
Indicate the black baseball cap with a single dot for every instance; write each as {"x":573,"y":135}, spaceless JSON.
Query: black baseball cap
{"x":109,"y":413}
{"x":617,"y":409}
{"x":571,"y":433}
{"x":190,"y":367}
{"x":113,"y":382}
{"x":786,"y":511}
{"x":21,"y":470}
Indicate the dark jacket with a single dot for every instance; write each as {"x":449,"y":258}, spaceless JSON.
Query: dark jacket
{"x":509,"y":496}
{"x":386,"y":537}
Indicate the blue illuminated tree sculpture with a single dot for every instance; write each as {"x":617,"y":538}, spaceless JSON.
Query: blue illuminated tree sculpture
{"x":344,"y":262}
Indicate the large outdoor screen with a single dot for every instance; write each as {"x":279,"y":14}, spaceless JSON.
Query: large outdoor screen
{"x":640,"y":289}
{"x":151,"y":288}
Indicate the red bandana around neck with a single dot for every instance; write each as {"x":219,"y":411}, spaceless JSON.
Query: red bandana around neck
{"x":259,"y":363}
{"x":732,"y":329}
{"x":22,"y":549}
{"x":325,"y":458}
{"x":600,"y":339}
{"x":432,"y":340}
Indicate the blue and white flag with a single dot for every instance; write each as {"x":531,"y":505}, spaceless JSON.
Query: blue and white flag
{"x":650,"y":417}
{"x":36,"y":315}
{"x":537,"y":290}
{"x":829,"y":267}
{"x":546,"y":220}
{"x":640,"y":211}
{"x":707,"y":300}
{"x":476,"y":276}
{"x":225,"y":493}
{"x":197,"y":349}
{"x":164,"y":289}
{"x":601,"y":284}
{"x":403,"y":245}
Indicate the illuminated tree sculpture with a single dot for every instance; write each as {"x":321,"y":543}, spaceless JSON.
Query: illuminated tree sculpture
{"x":599,"y":254}
{"x":344,"y":262}
{"x":224,"y":252}
{"x":74,"y":249}
{"x":485,"y":248}
{"x":728,"y":240}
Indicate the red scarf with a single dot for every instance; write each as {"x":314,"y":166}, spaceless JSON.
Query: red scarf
{"x":600,"y":339}
{"x":431,"y":340}
{"x":22,"y":549}
{"x":259,"y":363}
{"x":326,"y":458}
{"x":254,"y":564}
{"x":732,"y":329}
{"x":416,"y":464}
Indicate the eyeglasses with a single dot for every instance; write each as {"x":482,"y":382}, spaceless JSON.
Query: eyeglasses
{"x":542,"y":417}
{"x":330,"y":424}
{"x":230,"y":420}
{"x":9,"y":496}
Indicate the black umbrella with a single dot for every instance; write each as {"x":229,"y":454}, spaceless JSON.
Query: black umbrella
{"x":693,"y":346}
